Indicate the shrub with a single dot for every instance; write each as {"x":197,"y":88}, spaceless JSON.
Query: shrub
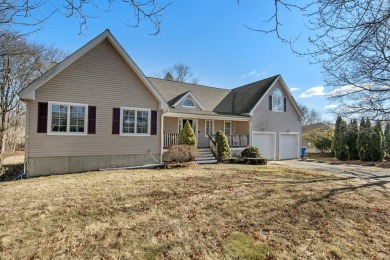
{"x":187,"y":135}
{"x":339,"y":143}
{"x":376,"y":145}
{"x":342,"y":146}
{"x":336,"y":135}
{"x":365,"y":135}
{"x":323,"y":142}
{"x":251,"y":152}
{"x":224,"y":151}
{"x":387,"y":139}
{"x":352,"y":137}
{"x":180,"y":153}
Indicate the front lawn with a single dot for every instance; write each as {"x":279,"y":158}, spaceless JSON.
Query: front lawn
{"x":201,"y":212}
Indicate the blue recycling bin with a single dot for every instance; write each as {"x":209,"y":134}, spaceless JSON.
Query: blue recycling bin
{"x":303,"y":152}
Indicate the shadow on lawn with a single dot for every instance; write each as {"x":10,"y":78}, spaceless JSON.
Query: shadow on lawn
{"x":336,"y":191}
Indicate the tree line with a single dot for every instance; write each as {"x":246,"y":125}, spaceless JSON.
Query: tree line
{"x":363,"y":142}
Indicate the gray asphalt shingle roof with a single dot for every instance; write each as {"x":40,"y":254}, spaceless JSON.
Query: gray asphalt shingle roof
{"x":216,"y":101}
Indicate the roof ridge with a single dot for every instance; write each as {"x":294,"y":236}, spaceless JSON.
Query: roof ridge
{"x":205,"y":86}
{"x":275,"y":76}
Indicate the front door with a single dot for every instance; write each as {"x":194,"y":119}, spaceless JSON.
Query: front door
{"x":193,"y":123}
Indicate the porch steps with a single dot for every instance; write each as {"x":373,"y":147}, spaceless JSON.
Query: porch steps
{"x":205,"y":156}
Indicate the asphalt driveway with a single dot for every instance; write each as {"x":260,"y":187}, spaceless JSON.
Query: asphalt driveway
{"x":365,"y":173}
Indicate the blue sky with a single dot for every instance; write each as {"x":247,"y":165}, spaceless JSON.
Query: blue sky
{"x":210,"y":37}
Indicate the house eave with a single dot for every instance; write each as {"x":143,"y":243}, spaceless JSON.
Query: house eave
{"x":215,"y":117}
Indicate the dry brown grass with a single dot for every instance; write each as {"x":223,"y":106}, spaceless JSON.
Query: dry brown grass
{"x":192,"y":213}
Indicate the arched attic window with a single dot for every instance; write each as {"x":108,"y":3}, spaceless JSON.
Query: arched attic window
{"x":188,"y":102}
{"x":278,"y":102}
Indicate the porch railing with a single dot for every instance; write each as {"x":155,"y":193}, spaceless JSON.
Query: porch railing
{"x":170,"y":139}
{"x":237,"y":140}
{"x":234,"y":140}
{"x":213,"y":146}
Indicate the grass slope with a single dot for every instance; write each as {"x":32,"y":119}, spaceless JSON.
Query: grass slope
{"x":202,"y":212}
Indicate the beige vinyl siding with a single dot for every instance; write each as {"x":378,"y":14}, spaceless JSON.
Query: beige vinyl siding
{"x":241,"y":128}
{"x":269,"y":121}
{"x":103,"y":79}
{"x":218,"y":125}
{"x":171,"y":125}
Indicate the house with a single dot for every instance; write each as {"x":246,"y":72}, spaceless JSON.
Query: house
{"x":96,"y":109}
{"x":309,"y":130}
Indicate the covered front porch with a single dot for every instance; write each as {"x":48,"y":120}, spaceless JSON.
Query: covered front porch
{"x":237,"y":129}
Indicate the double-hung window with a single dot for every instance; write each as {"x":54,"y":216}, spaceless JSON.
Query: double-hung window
{"x":228,"y":127}
{"x":209,"y":127}
{"x":135,"y":121}
{"x":67,"y":118}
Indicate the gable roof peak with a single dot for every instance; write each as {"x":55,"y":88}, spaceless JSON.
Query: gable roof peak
{"x":28,"y":93}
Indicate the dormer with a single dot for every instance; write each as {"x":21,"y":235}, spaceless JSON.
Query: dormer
{"x":188,"y":101}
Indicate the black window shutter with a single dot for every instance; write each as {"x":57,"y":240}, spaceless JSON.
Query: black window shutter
{"x":91,"y":120}
{"x":116,"y":114}
{"x":153,"y":129}
{"x":270,"y":103}
{"x":285,"y":105}
{"x":42,"y":117}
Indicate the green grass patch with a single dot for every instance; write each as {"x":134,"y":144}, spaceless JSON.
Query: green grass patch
{"x":241,"y":246}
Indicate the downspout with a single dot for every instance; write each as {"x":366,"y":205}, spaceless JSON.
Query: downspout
{"x":26,"y":137}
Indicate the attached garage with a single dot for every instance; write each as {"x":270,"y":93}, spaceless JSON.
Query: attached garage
{"x":288,"y":146}
{"x":266,"y":142}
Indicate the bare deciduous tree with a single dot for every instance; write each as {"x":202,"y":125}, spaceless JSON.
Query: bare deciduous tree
{"x":21,"y":62}
{"x":351,"y":40}
{"x":178,"y":72}
{"x":310,"y":116}
{"x":35,"y":12}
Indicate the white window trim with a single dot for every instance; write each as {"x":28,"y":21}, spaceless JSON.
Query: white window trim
{"x":49,"y":118}
{"x":205,"y":128}
{"x":224,"y":126}
{"x":135,"y":121}
{"x":194,"y":106}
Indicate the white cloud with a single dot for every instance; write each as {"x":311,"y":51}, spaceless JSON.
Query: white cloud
{"x":314,"y":91}
{"x":347,"y":89}
{"x":331,"y":106}
{"x":294,"y":89}
{"x":254,"y":73}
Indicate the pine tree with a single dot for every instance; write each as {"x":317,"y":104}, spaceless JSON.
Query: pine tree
{"x":336,"y":135}
{"x":352,"y":139}
{"x":187,"y":135}
{"x":224,"y":151}
{"x":376,"y":146}
{"x":342,"y":145}
{"x":365,"y":134}
{"x":387,"y":139}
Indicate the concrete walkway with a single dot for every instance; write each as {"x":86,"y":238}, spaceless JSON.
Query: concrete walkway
{"x":365,"y":173}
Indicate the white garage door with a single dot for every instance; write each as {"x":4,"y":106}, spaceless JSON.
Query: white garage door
{"x":288,"y":146}
{"x":266,"y":144}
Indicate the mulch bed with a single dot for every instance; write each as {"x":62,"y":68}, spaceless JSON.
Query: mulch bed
{"x":10,"y":171}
